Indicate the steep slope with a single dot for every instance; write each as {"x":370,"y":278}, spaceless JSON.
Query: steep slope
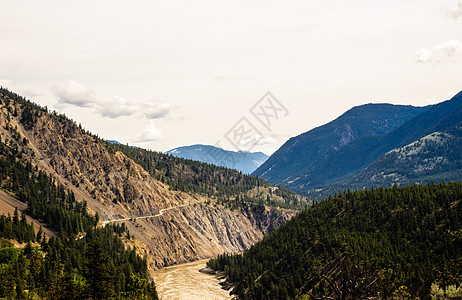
{"x":296,"y":163}
{"x":245,"y":162}
{"x":370,"y":151}
{"x":79,"y":260}
{"x":340,"y":168}
{"x":227,"y":186}
{"x":116,"y":187}
{"x":432,"y":158}
{"x":8,"y":204}
{"x":372,"y":244}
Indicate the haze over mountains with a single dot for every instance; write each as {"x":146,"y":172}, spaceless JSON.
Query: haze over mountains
{"x":243,"y":161}
{"x":355,"y":150}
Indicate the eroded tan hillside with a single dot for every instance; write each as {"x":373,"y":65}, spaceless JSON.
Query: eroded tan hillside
{"x":115,"y":187}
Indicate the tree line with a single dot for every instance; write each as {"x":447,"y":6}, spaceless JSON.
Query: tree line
{"x":229,"y":186}
{"x":402,"y":242}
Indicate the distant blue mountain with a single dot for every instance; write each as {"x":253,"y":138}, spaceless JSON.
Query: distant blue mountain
{"x":246,"y":162}
{"x":114,"y":142}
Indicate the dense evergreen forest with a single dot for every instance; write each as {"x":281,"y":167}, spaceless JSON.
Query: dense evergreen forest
{"x":81,"y":261}
{"x":224,"y":184}
{"x":385,"y":243}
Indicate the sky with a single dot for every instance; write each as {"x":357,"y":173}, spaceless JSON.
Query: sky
{"x":242,"y":75}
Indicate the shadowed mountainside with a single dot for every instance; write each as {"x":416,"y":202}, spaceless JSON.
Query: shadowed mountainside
{"x":373,"y":144}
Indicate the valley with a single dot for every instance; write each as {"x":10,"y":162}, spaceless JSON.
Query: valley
{"x":245,"y":150}
{"x":160,"y":216}
{"x":167,"y":223}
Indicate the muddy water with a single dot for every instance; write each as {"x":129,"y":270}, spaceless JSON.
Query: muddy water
{"x":186,"y":282}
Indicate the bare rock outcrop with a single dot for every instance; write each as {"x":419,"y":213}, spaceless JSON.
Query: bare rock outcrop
{"x":115,"y":187}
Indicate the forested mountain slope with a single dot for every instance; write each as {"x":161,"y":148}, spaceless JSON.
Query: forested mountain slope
{"x":82,"y":261}
{"x":226,"y":185}
{"x":385,"y":242}
{"x":425,"y":149}
{"x":370,"y":161}
{"x":119,"y":182}
{"x":297,"y":163}
{"x":435,"y":157}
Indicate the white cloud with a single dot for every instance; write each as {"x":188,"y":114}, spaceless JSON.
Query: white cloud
{"x":449,"y":48}
{"x":77,"y":94}
{"x":456,"y":13}
{"x":157,"y":109}
{"x":149,"y":134}
{"x":115,"y":107}
{"x":424,"y":55}
{"x":74,"y":93}
{"x":440,"y":52}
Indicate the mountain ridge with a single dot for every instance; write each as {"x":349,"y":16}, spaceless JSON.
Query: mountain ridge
{"x":243,"y":161}
{"x":310,"y":148}
{"x":335,"y":168}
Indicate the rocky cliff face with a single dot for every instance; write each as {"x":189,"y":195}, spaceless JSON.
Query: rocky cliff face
{"x":81,"y":162}
{"x":115,"y":187}
{"x":196,"y":231}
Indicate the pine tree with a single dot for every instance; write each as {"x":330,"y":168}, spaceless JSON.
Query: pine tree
{"x":98,"y":277}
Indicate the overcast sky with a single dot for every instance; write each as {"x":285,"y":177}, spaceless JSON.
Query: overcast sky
{"x":162,"y":74}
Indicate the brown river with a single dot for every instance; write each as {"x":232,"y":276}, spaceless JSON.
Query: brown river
{"x":186,"y":282}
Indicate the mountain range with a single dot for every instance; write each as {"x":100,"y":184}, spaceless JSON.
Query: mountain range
{"x":372,"y":145}
{"x":131,"y":211}
{"x":175,"y":210}
{"x":243,"y":161}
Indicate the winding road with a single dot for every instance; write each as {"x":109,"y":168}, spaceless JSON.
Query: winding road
{"x":161,"y":212}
